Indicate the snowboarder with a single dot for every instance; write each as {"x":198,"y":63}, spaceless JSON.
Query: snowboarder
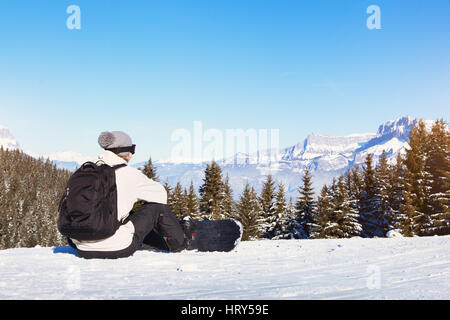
{"x":153,"y":223}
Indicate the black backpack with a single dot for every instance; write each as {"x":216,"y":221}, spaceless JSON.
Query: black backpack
{"x":88,"y":209}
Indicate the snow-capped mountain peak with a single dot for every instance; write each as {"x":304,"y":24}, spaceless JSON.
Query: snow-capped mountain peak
{"x":317,"y":145}
{"x":7,"y":140}
{"x":64,"y":159}
{"x":398,"y":128}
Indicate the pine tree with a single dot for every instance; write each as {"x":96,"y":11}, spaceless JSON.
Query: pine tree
{"x":345,"y":212}
{"x":178,"y":201}
{"x":150,"y":170}
{"x":437,"y":180}
{"x":168,"y":188}
{"x":408,"y":210}
{"x":291,"y":207}
{"x":279,"y":226}
{"x":371,"y":219}
{"x":325,"y":223}
{"x":383,"y":193}
{"x":212,"y":193}
{"x":399,"y":219}
{"x":291,"y":226}
{"x":249,"y":211}
{"x":415,"y":164}
{"x":229,"y":210}
{"x":356,"y":184}
{"x":280,"y":200}
{"x":305,"y":203}
{"x":192,"y":208}
{"x":353,"y":187}
{"x":266,"y":199}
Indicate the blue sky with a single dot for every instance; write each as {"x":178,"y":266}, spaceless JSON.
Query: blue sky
{"x":151,"y":67}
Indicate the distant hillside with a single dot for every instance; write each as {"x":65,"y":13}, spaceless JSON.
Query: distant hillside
{"x":30,"y":193}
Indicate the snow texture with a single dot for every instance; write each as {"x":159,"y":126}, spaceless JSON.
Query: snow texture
{"x":384,"y":268}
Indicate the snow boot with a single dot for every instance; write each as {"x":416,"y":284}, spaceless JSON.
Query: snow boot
{"x":188,"y":226}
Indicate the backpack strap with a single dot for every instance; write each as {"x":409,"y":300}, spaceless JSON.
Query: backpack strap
{"x":114,"y":167}
{"x":119,"y":166}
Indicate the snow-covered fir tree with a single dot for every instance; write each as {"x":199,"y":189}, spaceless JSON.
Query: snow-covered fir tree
{"x":437,"y":180}
{"x":325,"y":224}
{"x":415,"y":164}
{"x":168,"y":188}
{"x":398,"y":219}
{"x":150,"y":170}
{"x":178,"y":201}
{"x":212,"y":193}
{"x":267,"y":201}
{"x":291,"y":227}
{"x":305,"y":203}
{"x":278,"y":228}
{"x":228,"y":204}
{"x":191,"y":205}
{"x":383,"y":192}
{"x":346,"y":212}
{"x":371,"y":218}
{"x":408,"y":210}
{"x":249,"y":213}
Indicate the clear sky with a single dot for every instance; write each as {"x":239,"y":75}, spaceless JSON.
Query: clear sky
{"x":151,"y":67}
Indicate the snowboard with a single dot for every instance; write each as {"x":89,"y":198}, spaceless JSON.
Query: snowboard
{"x":205,"y":236}
{"x":215,"y":235}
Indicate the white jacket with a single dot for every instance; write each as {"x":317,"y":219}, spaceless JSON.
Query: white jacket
{"x":132,"y":185}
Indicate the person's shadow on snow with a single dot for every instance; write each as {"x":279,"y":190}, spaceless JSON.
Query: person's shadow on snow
{"x":66,"y":249}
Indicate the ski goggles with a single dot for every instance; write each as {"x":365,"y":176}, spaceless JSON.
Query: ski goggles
{"x":131,"y":149}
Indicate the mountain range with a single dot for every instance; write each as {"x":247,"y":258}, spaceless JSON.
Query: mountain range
{"x":324,"y":155}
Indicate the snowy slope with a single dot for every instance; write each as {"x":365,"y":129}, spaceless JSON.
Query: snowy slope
{"x":385,"y":268}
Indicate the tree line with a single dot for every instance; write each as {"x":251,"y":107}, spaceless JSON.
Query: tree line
{"x":30,"y":191}
{"x":409,"y":197}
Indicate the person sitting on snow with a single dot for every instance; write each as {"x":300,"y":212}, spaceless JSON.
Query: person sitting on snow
{"x":152,"y":224}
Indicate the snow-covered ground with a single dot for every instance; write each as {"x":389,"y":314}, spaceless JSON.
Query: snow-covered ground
{"x":394,"y":268}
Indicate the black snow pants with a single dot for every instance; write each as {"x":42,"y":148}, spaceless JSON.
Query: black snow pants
{"x":154,"y":225}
